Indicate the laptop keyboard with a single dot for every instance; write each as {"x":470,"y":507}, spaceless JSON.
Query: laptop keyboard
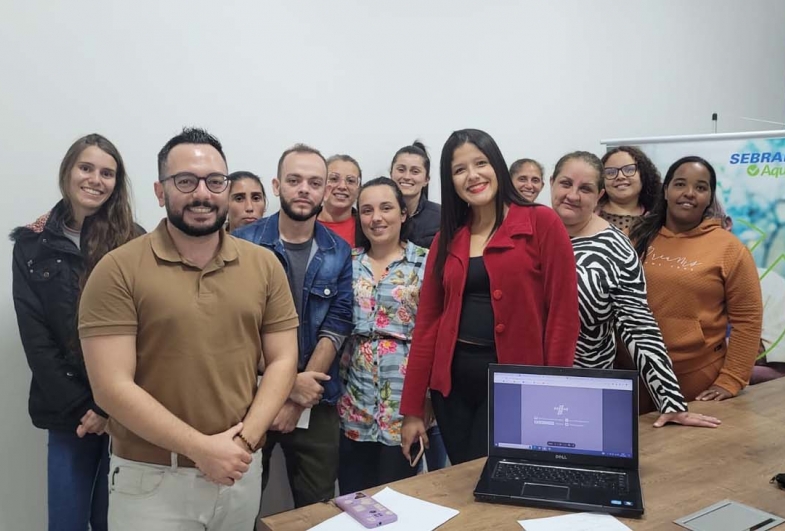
{"x":573,"y":477}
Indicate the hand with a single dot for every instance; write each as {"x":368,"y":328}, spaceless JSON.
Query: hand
{"x":221,"y":458}
{"x":307,"y":390}
{"x":687,"y":418}
{"x":428,"y":420}
{"x":715,"y":393}
{"x":91,"y":422}
{"x":413,"y":428}
{"x":286,"y":419}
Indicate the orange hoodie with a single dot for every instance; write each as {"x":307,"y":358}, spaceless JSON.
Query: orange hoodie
{"x":699,"y":281}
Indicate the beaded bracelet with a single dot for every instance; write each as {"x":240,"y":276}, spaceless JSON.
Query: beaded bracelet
{"x":249,"y":445}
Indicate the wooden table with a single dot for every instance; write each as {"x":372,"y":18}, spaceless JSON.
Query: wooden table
{"x":682,"y":470}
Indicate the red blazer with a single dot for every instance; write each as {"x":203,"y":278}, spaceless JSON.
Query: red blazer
{"x":534,"y":295}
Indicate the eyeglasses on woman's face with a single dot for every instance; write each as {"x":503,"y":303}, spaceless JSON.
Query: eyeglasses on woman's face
{"x":627,"y":170}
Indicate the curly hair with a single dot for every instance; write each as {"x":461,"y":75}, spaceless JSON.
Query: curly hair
{"x":651,"y":182}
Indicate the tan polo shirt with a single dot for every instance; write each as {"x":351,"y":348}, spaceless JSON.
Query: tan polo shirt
{"x":197,"y":331}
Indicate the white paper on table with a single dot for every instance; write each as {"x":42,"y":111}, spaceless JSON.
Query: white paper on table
{"x":575,"y":522}
{"x":413,"y":515}
{"x":305,"y":419}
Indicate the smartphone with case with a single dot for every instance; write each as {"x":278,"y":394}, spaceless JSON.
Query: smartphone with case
{"x":415,"y":452}
{"x":369,"y":512}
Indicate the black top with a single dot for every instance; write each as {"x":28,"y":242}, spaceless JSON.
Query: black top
{"x":425,"y":222}
{"x":476,"y":324}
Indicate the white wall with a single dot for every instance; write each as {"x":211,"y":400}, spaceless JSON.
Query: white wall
{"x":347,"y":76}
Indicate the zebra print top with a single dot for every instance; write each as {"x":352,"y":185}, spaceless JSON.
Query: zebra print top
{"x":612,"y":295}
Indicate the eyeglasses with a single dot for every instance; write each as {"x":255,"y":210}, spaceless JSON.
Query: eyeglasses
{"x":335,"y":178}
{"x":628,"y":171}
{"x":188,"y":182}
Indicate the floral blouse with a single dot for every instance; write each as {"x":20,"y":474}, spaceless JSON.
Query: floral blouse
{"x":374,"y":359}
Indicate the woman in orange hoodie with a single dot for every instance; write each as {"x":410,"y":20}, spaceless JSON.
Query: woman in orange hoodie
{"x":701,"y":278}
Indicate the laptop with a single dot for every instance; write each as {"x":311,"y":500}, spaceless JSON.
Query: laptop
{"x":562,"y":438}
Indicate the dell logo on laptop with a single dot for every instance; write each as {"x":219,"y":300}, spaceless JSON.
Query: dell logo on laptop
{"x":560,"y":456}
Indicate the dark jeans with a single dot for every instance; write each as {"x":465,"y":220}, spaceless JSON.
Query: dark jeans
{"x":78,"y":491}
{"x":311,"y":456}
{"x":463,"y":415}
{"x":436,"y":453}
{"x":368,"y":464}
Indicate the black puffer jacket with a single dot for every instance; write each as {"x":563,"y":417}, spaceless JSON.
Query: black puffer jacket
{"x":425,"y":222}
{"x":46,"y":269}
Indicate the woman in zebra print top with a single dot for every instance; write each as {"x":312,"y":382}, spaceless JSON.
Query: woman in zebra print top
{"x":612,"y":290}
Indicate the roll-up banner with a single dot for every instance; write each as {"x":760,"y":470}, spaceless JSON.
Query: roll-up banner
{"x":751,"y":186}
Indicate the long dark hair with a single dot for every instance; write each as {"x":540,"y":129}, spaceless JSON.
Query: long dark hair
{"x":113,"y":224}
{"x":650,"y":176}
{"x":455,"y":211}
{"x":643,"y":232}
{"x":360,"y":239}
{"x":416,"y":148}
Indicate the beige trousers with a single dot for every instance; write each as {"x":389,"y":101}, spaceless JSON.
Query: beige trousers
{"x":151,"y":497}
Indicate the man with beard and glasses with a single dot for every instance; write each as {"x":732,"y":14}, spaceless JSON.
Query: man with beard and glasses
{"x":173,"y":327}
{"x":318,"y":264}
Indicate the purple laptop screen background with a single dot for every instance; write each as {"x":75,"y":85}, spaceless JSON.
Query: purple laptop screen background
{"x":589,"y":421}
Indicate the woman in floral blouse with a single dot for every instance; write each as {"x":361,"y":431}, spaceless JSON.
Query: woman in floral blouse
{"x":387,"y":276}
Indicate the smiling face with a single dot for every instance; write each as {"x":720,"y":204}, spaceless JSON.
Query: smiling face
{"x":408,"y":172}
{"x":343,"y":185}
{"x":381,"y":217}
{"x":473,"y":176}
{"x":246,"y":202}
{"x":528,"y":181}
{"x":575,"y":192}
{"x":688,"y":195}
{"x":200,"y":212}
{"x":622,"y":189}
{"x":92,"y":181}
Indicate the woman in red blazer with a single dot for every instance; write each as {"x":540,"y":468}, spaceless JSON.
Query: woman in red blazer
{"x":502,"y":287}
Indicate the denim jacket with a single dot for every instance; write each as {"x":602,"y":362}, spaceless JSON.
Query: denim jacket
{"x":327,"y":291}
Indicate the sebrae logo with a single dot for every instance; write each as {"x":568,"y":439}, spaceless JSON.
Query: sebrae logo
{"x":761,"y":164}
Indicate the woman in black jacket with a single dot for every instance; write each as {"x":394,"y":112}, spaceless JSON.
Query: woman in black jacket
{"x":52,"y":259}
{"x":411,"y":171}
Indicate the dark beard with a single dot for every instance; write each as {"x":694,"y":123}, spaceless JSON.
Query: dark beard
{"x":287,"y":208}
{"x":177,"y":219}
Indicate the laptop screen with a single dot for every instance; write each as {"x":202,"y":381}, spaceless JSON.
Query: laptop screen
{"x":563,"y":414}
